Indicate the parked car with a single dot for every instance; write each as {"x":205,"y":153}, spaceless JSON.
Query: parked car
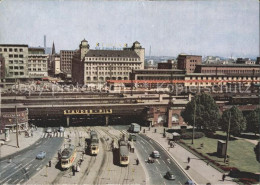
{"x":48,"y":130}
{"x":156,"y":154}
{"x":61,"y":129}
{"x":41,"y":155}
{"x":170,"y":176}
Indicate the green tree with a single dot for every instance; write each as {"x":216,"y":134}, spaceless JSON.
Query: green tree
{"x":237,"y":121}
{"x":207,"y":113}
{"x":253,"y":121}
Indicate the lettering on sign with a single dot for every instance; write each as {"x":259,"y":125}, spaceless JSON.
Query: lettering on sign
{"x":87,"y":111}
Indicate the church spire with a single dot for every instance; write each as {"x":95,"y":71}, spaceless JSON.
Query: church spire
{"x":53,"y":49}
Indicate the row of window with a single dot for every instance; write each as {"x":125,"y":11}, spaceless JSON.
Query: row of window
{"x":16,"y":67}
{"x":231,"y":71}
{"x":37,"y":61}
{"x":16,"y":73}
{"x":111,"y":59}
{"x":109,"y":68}
{"x":107,"y":73}
{"x":38,"y":65}
{"x":105,"y":78}
{"x":111,"y":65}
{"x":16,"y":62}
{"x":11,"y":49}
{"x":35,"y":69}
{"x":15,"y":56}
{"x":221,"y":78}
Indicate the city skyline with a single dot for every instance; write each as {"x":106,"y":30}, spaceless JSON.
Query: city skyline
{"x":221,"y":28}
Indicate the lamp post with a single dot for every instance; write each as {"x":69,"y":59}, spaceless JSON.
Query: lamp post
{"x":193,"y":129}
{"x":227,"y":139}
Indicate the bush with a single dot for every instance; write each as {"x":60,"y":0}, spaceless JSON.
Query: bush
{"x":188,"y":135}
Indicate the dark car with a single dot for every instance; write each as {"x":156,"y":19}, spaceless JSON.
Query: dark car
{"x":189,"y":182}
{"x":170,"y":176}
{"x":41,"y":155}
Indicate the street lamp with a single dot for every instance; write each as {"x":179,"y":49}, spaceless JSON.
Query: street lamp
{"x":227,"y":139}
{"x":193,"y":129}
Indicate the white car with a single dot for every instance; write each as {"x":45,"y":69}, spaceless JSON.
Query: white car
{"x":49,"y":130}
{"x":156,"y":154}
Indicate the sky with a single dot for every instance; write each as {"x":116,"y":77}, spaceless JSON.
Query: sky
{"x":199,"y":27}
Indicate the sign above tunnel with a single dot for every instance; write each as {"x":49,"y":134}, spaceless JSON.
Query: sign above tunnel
{"x":87,"y":111}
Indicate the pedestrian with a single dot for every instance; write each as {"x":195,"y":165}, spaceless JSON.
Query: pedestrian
{"x":188,"y":159}
{"x":73,"y":170}
{"x":49,"y":163}
{"x":137,"y":162}
{"x":223,"y":177}
{"x":10,"y":160}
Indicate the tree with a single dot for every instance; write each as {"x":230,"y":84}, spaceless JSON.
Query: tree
{"x":207,"y":112}
{"x":237,"y":121}
{"x":253,"y":121}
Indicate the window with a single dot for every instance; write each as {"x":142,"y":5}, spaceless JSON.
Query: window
{"x":16,"y":73}
{"x":0,"y":49}
{"x":5,"y":49}
{"x":10,"y":62}
{"x":20,"y":56}
{"x":21,"y":73}
{"x":10,"y":67}
{"x":21,"y":67}
{"x":20,"y":62}
{"x":15,"y":56}
{"x":15,"y":50}
{"x":10,"y":56}
{"x":10,"y":50}
{"x":15,"y":67}
{"x":21,"y":50}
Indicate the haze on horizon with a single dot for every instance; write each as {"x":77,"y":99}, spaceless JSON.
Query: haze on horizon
{"x":207,"y":27}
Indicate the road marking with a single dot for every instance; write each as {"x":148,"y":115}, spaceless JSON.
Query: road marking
{"x":150,"y":141}
{"x":16,"y":181}
{"x":18,"y":166}
{"x":169,"y":161}
{"x":168,"y":167}
{"x":8,"y":180}
{"x":164,"y":183}
{"x":161,"y":175}
{"x":158,"y":161}
{"x":179,"y":182}
{"x":163,"y":162}
{"x":156,"y":168}
{"x":20,"y":181}
{"x":145,"y":151}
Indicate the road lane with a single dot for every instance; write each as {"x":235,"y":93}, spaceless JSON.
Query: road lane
{"x":157,"y":170}
{"x":24,"y":165}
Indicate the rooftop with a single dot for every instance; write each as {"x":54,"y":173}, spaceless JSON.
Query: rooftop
{"x":229,"y":65}
{"x":112,"y":53}
{"x":14,"y":45}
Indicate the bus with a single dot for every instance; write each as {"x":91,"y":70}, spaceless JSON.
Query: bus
{"x":68,"y":156}
{"x":94,"y":142}
{"x":123,"y":153}
{"x":135,"y":128}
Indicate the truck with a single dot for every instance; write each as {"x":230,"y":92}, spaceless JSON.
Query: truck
{"x":135,"y":128}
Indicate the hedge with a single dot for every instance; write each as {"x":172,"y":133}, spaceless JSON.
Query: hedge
{"x":188,"y":135}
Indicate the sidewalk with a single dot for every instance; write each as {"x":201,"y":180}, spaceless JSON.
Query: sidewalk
{"x":10,"y":148}
{"x":199,"y":170}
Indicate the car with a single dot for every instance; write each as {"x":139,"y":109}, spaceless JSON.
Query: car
{"x":41,"y":155}
{"x":156,"y":154}
{"x":48,"y":130}
{"x":189,"y":182}
{"x":132,"y":137}
{"x":169,"y":175}
{"x":61,"y":129}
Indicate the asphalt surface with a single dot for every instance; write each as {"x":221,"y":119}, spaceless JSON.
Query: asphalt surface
{"x":157,"y":170}
{"x":24,"y":165}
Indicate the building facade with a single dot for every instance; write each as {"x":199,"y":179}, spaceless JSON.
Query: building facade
{"x":229,"y":69}
{"x":188,"y":62}
{"x":37,"y":63}
{"x":97,"y":66}
{"x":2,"y":67}
{"x":66,"y":61}
{"x":16,"y":61}
{"x":55,"y":61}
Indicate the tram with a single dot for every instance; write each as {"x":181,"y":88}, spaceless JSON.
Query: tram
{"x":94,"y":142}
{"x":123,"y":153}
{"x":68,"y":156}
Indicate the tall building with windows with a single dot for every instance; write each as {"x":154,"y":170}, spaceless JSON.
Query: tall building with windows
{"x":2,"y":67}
{"x":188,"y":62}
{"x":37,"y":63}
{"x":66,"y":61}
{"x":97,"y":66}
{"x":16,"y":61}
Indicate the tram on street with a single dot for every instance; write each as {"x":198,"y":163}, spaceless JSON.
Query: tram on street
{"x":94,"y":142}
{"x":134,"y":128}
{"x":123,"y":153}
{"x":68,"y":156}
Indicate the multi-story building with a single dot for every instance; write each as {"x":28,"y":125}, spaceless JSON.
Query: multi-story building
{"x":37,"y":63}
{"x":245,"y":61}
{"x":2,"y":67}
{"x":188,"y":62}
{"x":228,"y":69}
{"x":66,"y":61}
{"x":212,"y":60}
{"x":97,"y":66}
{"x":16,"y":61}
{"x":55,"y":61}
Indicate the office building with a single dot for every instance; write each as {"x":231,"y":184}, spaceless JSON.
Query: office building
{"x":188,"y":62}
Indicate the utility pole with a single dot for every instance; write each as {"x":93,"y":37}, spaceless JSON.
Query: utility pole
{"x":228,"y":131}
{"x":194,"y":116}
{"x":16,"y":120}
